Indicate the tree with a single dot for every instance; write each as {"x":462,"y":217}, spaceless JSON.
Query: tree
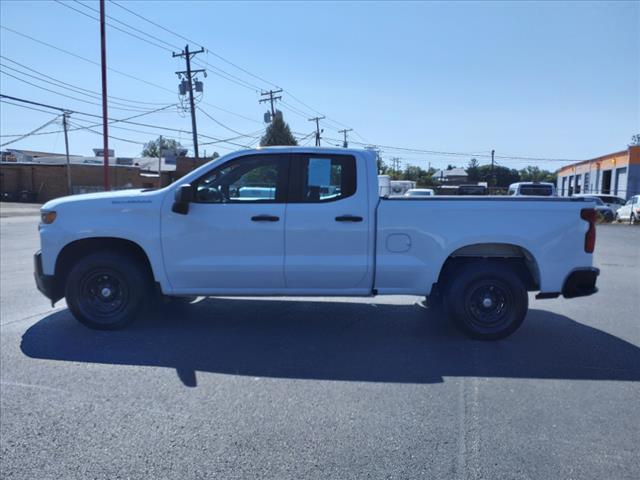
{"x":278,"y":133}
{"x":154,"y":147}
{"x":503,"y":176}
{"x":423,"y":178}
{"x":383,"y":168}
{"x":473,"y":172}
{"x":535,"y":174}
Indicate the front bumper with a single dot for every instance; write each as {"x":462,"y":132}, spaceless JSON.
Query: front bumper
{"x":45,"y":283}
{"x":581,"y":282}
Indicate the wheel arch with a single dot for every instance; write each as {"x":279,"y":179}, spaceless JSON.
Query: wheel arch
{"x":77,"y":249}
{"x":519,"y":258}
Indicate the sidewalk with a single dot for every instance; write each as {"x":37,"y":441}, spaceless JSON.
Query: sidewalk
{"x":11,"y":209}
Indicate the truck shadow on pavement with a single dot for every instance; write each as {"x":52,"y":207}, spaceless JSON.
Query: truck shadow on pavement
{"x":336,"y":340}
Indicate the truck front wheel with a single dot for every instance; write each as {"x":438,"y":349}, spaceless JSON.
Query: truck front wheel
{"x":106,"y":291}
{"x":487,"y":300}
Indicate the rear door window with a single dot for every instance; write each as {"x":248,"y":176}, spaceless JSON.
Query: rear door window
{"x":322,"y":178}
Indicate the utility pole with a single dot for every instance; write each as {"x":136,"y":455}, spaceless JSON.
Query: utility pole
{"x":160,"y":163}
{"x":493,"y":177}
{"x":270,"y":98}
{"x":317,"y":120}
{"x":395,"y":161}
{"x":105,"y":115}
{"x":66,"y":151}
{"x":345,"y":144}
{"x":188,"y":73}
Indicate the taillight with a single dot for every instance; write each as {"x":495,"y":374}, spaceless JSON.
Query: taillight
{"x":589,"y":214}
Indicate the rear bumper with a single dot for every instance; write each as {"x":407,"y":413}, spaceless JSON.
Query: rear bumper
{"x":580,"y":283}
{"x":45,"y":283}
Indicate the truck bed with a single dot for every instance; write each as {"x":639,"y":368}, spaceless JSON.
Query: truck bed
{"x":416,"y":236}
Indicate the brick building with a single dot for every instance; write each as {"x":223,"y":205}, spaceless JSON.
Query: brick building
{"x":41,"y":182}
{"x":45,"y":177}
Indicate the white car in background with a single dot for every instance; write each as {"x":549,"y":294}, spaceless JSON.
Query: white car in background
{"x":533,"y":189}
{"x":630,"y":211}
{"x":419,"y":192}
{"x":605,"y":212}
{"x":611,"y":201}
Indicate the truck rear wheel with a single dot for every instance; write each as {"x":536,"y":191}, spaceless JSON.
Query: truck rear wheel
{"x":487,"y":300}
{"x":106,"y":291}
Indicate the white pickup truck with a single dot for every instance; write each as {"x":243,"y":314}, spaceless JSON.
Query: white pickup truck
{"x":306,"y":222}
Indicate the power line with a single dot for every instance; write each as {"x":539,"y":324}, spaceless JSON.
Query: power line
{"x":314,"y":110}
{"x":123,"y":73}
{"x":30,"y":105}
{"x":461,"y":154}
{"x":110,"y":24}
{"x":22,"y":137}
{"x":229,"y":62}
{"x":84,"y":58}
{"x":380,"y":147}
{"x":257,"y":77}
{"x":215,"y":70}
{"x":30,"y":102}
{"x":227,"y":76}
{"x":95,"y":96}
{"x":127,"y":140}
{"x":111,"y":126}
{"x":226,"y":140}
{"x":220,"y":123}
{"x":111,"y":122}
{"x":171,"y":46}
{"x":56,"y":80}
{"x":295,"y":110}
{"x":68,"y":96}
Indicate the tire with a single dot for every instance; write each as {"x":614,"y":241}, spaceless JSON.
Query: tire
{"x":632,"y":219}
{"x":617,"y":218}
{"x":107,"y":291}
{"x":487,"y":300}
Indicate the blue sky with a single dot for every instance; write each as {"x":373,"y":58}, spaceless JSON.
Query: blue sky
{"x":535,"y":79}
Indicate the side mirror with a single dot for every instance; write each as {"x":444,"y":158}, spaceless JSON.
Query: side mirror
{"x":183,"y":196}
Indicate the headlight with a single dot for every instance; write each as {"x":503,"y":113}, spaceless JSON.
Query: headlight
{"x":48,"y":217}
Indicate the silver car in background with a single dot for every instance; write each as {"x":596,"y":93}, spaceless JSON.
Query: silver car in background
{"x":611,"y":201}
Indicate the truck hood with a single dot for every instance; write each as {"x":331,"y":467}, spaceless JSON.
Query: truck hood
{"x":116,"y":197}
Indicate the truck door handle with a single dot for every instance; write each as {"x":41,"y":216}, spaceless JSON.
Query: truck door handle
{"x":265,"y":218}
{"x":348,"y":218}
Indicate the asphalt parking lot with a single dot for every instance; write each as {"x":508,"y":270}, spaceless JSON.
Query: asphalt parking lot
{"x":322,"y":388}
